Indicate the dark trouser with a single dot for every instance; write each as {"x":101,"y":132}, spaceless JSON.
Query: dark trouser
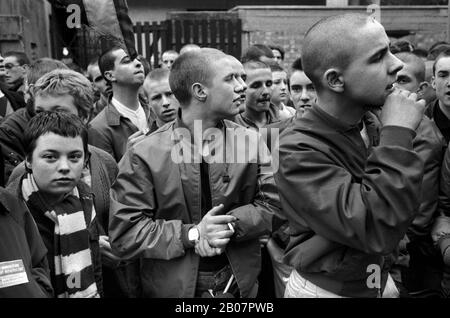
{"x":129,"y":278}
{"x":424,"y":274}
{"x":216,"y":282}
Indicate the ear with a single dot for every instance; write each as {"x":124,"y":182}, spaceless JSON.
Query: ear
{"x":334,"y":80}
{"x":423,"y":86}
{"x":28,"y":166}
{"x":109,"y":75}
{"x":199,"y":92}
{"x":433,"y":84}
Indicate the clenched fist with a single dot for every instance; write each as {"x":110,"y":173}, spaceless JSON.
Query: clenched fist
{"x":402,"y":108}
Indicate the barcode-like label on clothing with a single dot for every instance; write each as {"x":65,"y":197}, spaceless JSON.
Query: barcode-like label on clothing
{"x":12,"y":273}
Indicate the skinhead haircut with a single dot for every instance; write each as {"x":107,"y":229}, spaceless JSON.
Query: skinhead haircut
{"x":21,"y":57}
{"x":411,"y":58}
{"x":255,"y":52}
{"x":327,"y":44}
{"x":170,"y":52}
{"x":254,"y":65}
{"x":67,"y":82}
{"x":192,"y":67}
{"x":43,"y":66}
{"x":158,"y":74}
{"x":59,"y":123}
{"x":106,"y":60}
{"x":445,"y":53}
{"x":275,"y":67}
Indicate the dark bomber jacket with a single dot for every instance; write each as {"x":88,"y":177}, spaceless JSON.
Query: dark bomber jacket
{"x":347,"y":208}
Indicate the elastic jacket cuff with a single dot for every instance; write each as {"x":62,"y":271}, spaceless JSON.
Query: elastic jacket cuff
{"x":397,"y":136}
{"x":184,"y":236}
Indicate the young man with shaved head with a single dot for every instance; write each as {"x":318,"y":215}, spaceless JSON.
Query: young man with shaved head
{"x":419,"y":262}
{"x":259,"y":111}
{"x":182,"y":202}
{"x":347,"y":208}
{"x":439,"y":110}
{"x":163,"y":103}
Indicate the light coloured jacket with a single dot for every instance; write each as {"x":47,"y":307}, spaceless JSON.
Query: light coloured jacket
{"x":155,"y":201}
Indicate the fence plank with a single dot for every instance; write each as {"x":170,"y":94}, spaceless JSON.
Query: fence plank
{"x":238,"y":32}
{"x":155,"y":52}
{"x":178,"y":35}
{"x":148,"y":51}
{"x":204,"y":25}
{"x":230,"y":37}
{"x":222,"y":44}
{"x":213,"y":27}
{"x":165,"y":35}
{"x":195,"y":31}
{"x":186,"y":32}
{"x":139,"y":36}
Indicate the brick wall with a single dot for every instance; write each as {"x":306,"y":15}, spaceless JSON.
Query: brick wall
{"x":285,"y":25}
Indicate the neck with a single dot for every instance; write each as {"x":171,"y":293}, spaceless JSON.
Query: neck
{"x":128,"y":96}
{"x":259,"y":118}
{"x":194,"y":117}
{"x":444,"y":109}
{"x":159,"y":122}
{"x":340,"y":108}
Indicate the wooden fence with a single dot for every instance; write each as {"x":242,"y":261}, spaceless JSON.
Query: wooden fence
{"x":152,"y":39}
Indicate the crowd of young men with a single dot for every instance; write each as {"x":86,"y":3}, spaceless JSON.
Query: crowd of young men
{"x":214,"y":177}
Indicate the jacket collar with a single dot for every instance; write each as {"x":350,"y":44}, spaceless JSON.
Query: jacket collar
{"x":113,"y":116}
{"x":271,"y":117}
{"x":331,"y":121}
{"x":178,"y":123}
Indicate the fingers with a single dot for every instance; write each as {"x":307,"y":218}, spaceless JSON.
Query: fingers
{"x":219,"y":243}
{"x":220,"y":219}
{"x":215,"y":210}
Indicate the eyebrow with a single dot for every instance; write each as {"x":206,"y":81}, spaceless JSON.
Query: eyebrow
{"x":382,"y":51}
{"x":56,"y":151}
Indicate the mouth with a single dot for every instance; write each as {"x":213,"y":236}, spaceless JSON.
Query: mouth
{"x":169,"y":111}
{"x":139,"y":72}
{"x":239,"y":100}
{"x":64,"y":180}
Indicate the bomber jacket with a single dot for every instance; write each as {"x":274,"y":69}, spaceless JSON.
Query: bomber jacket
{"x":12,"y":131}
{"x":156,"y":200}
{"x":109,"y":130}
{"x":347,"y":206}
{"x":20,"y":241}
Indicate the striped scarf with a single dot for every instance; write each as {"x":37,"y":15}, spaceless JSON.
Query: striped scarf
{"x":74,"y":270}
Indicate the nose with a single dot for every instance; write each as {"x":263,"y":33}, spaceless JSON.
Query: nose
{"x":63,"y":165}
{"x":165,"y":101}
{"x":304,"y":97}
{"x":241,"y":87}
{"x":396,"y":65}
{"x":138,"y":63}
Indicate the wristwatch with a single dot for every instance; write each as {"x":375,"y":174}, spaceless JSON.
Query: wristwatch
{"x":193,"y":234}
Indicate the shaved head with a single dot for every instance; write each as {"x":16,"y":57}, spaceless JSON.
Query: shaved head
{"x":192,"y":67}
{"x":328,"y":44}
{"x":417,"y":63}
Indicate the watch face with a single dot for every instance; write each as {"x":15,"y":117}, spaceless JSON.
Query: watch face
{"x":193,"y":234}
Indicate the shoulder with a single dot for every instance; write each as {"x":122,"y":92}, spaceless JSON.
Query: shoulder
{"x":99,"y":121}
